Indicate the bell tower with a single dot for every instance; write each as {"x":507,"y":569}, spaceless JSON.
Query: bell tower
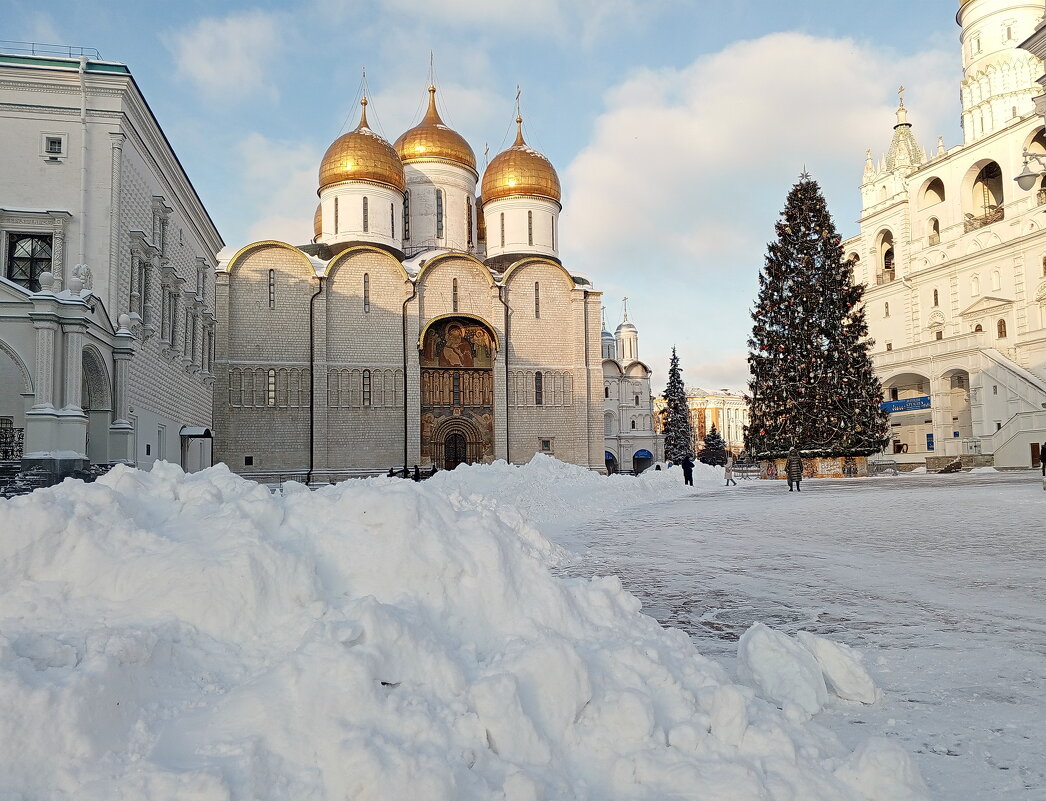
{"x":998,"y":79}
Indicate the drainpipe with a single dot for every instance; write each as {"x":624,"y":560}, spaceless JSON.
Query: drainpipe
{"x":312,"y":380}
{"x":588,"y":391}
{"x":413,"y":294}
{"x":501,"y":297}
{"x":83,"y":162}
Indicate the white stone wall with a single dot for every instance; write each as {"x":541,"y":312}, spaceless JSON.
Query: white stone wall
{"x":384,"y":214}
{"x":458,"y":185}
{"x":531,"y":226}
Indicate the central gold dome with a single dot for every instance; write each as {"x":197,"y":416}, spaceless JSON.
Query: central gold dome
{"x":520,"y":170}
{"x":362,"y":155}
{"x":432,"y":140}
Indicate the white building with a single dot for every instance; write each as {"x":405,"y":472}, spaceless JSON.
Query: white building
{"x":953,"y":253}
{"x":630,"y":440}
{"x":106,"y":288}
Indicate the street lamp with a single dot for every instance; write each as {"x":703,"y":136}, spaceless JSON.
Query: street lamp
{"x":1026,"y":180}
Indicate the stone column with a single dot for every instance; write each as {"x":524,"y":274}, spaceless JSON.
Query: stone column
{"x":121,"y":432}
{"x":45,"y":362}
{"x":74,"y":347}
{"x":58,"y":252}
{"x":116,"y":141}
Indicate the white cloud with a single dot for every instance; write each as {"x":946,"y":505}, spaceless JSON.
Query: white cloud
{"x":228,"y":58}
{"x":279,"y":182}
{"x":675,"y":197}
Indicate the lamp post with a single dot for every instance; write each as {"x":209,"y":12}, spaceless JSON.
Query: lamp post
{"x":1026,"y":180}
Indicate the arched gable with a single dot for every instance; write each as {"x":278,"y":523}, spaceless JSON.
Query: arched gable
{"x":611,"y":368}
{"x":462,"y":257}
{"x":394,"y":264}
{"x":511,"y":271}
{"x":631,"y":367}
{"x":432,"y":321}
{"x":246,"y":250}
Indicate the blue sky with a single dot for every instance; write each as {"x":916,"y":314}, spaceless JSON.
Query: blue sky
{"x":677,"y":126}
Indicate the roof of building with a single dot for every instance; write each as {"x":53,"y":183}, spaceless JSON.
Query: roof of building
{"x":432,"y":140}
{"x":520,"y":170}
{"x":362,"y":155}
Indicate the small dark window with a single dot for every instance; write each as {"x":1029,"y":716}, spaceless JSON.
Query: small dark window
{"x":468,"y":220}
{"x":606,"y":392}
{"x":530,"y":228}
{"x":889,"y":346}
{"x":553,"y":231}
{"x":502,"y":229}
{"x":456,"y":387}
{"x":936,"y":300}
{"x":54,"y":145}
{"x":406,"y":215}
{"x":938,"y":335}
{"x":893,"y":393}
{"x":978,"y":328}
{"x":335,"y":215}
{"x":1001,"y":327}
{"x":546,"y":446}
{"x":392,"y":219}
{"x":454,"y":295}
{"x":637,"y":400}
{"x":537,"y":299}
{"x":366,"y":216}
{"x":886,"y":312}
{"x":148,"y":449}
{"x":272,"y":289}
{"x":439,"y":214}
{"x":539,"y":391}
{"x":633,"y":423}
{"x":28,"y":255}
{"x":366,"y":292}
{"x":366,"y":387}
{"x":248,"y":461}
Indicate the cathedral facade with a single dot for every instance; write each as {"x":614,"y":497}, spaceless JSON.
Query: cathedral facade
{"x":430,"y":321}
{"x":953,"y":254}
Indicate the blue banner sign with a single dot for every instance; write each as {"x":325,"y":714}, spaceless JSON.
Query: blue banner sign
{"x":906,"y":404}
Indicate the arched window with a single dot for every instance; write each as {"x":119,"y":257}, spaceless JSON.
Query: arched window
{"x":978,"y":328}
{"x":406,"y":215}
{"x":439,"y":214}
{"x":933,"y":230}
{"x":336,"y":228}
{"x":886,"y":310}
{"x":272,"y":289}
{"x":975,"y":286}
{"x":502,"y":229}
{"x":988,"y":193}
{"x":608,"y":425}
{"x":537,"y":300}
{"x":366,"y":388}
{"x":606,"y":392}
{"x":539,"y":390}
{"x":366,"y":216}
{"x":530,"y":228}
{"x":366,"y":292}
{"x":392,"y":220}
{"x":633,"y":423}
{"x":468,"y":220}
{"x":996,"y":281}
{"x":886,"y":257}
{"x":933,"y":194}
{"x":1001,"y":327}
{"x":270,"y":388}
{"x":454,"y":295}
{"x":936,"y":298}
{"x":553,"y":216}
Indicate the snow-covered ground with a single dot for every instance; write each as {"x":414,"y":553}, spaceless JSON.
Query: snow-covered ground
{"x":166,"y":636}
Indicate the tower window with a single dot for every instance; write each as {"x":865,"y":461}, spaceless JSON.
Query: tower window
{"x":633,"y":423}
{"x":637,"y":400}
{"x":936,"y":301}
{"x":606,"y":392}
{"x":530,"y":228}
{"x":270,"y":388}
{"x":336,"y":229}
{"x":366,"y":387}
{"x":938,"y":335}
{"x":1001,"y":327}
{"x":366,"y":292}
{"x":553,"y":216}
{"x":392,"y":219}
{"x":439,"y":214}
{"x":537,"y":299}
{"x":456,"y":387}
{"x":454,"y":295}
{"x":886,"y":312}
{"x":272,"y":289}
{"x":406,"y":215}
{"x":468,"y":220}
{"x":366,"y":216}
{"x":539,"y":390}
{"x":27,"y":257}
{"x":502,"y":229}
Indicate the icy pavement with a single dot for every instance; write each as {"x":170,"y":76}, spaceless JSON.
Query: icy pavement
{"x":939,"y":580}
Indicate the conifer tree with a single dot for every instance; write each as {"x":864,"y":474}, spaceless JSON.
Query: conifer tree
{"x":714,"y":451}
{"x":676,"y":416}
{"x":812,"y":383}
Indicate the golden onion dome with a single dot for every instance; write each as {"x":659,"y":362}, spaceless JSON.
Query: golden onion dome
{"x":362,"y":155}
{"x":432,"y":140}
{"x":317,"y":221}
{"x":520,"y":170}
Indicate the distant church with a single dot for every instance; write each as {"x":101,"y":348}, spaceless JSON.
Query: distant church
{"x":430,"y":322}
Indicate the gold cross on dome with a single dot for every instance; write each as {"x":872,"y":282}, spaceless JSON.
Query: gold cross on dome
{"x":900,"y":94}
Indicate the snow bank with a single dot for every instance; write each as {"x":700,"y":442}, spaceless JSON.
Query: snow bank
{"x":841,"y":667}
{"x":171,"y":636}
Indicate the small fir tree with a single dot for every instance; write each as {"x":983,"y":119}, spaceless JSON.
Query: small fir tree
{"x":714,"y":451}
{"x":812,"y":383}
{"x":676,"y":415}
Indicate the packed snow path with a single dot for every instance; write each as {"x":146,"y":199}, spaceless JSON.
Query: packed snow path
{"x":939,"y":580}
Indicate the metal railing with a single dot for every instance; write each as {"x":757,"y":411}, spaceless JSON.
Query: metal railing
{"x":12,"y":443}
{"x":41,"y":49}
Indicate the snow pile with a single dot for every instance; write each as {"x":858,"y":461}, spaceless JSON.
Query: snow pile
{"x":797,"y":674}
{"x":170,"y":636}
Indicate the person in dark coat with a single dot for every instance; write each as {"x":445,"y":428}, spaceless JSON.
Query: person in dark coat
{"x":794,"y":469}
{"x":688,"y":470}
{"x":1042,"y":458}
{"x":417,"y":474}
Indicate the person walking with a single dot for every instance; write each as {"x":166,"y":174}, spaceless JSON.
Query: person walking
{"x":794,"y":469}
{"x":688,"y":470}
{"x":728,"y":470}
{"x":417,"y":474}
{"x":1042,"y":459}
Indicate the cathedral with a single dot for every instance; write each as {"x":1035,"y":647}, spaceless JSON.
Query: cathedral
{"x":430,"y":321}
{"x":952,"y":250}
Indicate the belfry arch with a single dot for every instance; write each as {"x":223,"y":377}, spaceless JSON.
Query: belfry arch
{"x":457,"y":392}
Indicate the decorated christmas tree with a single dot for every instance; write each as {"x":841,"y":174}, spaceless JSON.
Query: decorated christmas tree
{"x":714,"y":451}
{"x":812,"y":383}
{"x":676,"y":416}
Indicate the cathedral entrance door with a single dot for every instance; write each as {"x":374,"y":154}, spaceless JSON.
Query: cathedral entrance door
{"x":455,"y":451}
